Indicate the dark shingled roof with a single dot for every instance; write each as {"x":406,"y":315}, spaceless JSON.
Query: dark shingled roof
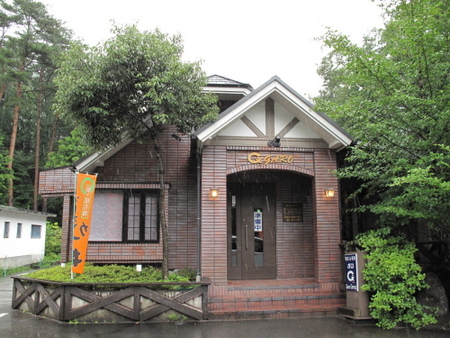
{"x":221,"y":81}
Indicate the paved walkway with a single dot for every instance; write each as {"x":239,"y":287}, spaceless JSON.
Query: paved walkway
{"x":14,"y":323}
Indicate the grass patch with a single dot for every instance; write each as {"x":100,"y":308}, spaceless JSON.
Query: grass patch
{"x":48,"y":261}
{"x":110,"y":274}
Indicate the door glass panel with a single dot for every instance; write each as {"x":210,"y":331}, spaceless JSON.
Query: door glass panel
{"x":233,"y":233}
{"x":258,"y":236}
{"x":259,"y":248}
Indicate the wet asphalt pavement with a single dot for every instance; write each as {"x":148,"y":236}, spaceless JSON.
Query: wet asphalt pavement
{"x":14,"y":323}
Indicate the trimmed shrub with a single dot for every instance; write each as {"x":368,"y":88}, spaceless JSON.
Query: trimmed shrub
{"x":393,"y":278}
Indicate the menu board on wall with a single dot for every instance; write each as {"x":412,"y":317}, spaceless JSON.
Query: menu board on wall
{"x":293,"y":212}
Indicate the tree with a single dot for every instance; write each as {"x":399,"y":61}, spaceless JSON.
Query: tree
{"x":5,"y":173}
{"x":134,"y":84}
{"x":392,"y":94}
{"x":70,"y":149}
{"x":53,"y":237}
{"x":31,"y":39}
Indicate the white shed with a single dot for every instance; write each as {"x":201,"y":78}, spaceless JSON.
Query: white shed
{"x":22,"y":236}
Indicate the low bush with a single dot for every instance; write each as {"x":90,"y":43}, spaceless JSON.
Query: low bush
{"x":107,"y":274}
{"x":393,"y":278}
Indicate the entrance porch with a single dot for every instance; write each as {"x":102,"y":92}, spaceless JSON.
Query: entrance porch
{"x":274,"y":298}
{"x":290,"y":266}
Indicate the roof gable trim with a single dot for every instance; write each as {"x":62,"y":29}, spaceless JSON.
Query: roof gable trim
{"x":333,"y":134}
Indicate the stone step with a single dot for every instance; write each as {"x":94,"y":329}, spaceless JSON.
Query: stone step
{"x":309,"y":286}
{"x":268,"y":304}
{"x":274,"y":296}
{"x":281,"y":311}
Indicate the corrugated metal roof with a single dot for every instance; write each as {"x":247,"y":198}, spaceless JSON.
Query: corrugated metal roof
{"x":25,"y":211}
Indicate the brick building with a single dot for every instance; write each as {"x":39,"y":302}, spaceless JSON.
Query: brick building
{"x":251,"y":203}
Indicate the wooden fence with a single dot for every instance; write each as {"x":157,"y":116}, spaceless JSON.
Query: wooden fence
{"x":107,"y":303}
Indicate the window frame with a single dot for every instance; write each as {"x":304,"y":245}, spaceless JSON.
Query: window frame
{"x":19,"y":230}
{"x":36,"y":226}
{"x":6,"y":229}
{"x":143,"y":193}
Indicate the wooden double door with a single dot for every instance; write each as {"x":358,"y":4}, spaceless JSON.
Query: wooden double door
{"x":251,"y":231}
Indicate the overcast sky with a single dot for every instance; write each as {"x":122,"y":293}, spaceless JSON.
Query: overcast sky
{"x":245,"y":40}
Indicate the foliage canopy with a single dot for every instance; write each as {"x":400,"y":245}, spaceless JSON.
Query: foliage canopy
{"x":134,"y":85}
{"x":392,"y":94}
{"x":30,"y":42}
{"x":133,"y":78}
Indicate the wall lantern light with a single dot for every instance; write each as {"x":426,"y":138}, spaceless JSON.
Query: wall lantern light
{"x":329,"y":192}
{"x":214,"y":193}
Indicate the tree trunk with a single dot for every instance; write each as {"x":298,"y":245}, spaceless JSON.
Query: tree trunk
{"x":2,"y":91}
{"x":12,"y":145}
{"x":37,"y":151}
{"x":162,"y":212}
{"x":53,"y":136}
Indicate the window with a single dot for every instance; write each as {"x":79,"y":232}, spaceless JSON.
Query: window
{"x":125,"y":216}
{"x":107,"y":216}
{"x":35,"y":231}
{"x":6,"y":230}
{"x":141,"y":216}
{"x":19,"y":230}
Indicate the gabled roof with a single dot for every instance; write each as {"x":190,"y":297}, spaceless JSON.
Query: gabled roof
{"x":227,"y":88}
{"x":279,"y":91}
{"x":218,"y":80}
{"x":320,"y":124}
{"x":90,"y":162}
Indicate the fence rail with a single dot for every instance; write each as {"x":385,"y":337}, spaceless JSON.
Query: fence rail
{"x":87,"y":302}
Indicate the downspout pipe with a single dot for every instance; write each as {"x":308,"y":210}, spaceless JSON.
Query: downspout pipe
{"x":199,"y":215}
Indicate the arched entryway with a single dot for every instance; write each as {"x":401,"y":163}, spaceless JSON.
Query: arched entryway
{"x":270,"y":225}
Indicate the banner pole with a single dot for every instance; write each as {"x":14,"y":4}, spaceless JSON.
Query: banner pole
{"x":73,"y":220}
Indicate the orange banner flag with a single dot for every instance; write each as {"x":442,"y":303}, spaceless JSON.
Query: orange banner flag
{"x":84,"y":202}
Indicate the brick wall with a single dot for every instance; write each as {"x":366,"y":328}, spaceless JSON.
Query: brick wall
{"x":307,"y":249}
{"x":137,"y":163}
{"x":327,"y":235}
{"x":56,"y":182}
{"x":213,"y":215}
{"x":135,"y":167}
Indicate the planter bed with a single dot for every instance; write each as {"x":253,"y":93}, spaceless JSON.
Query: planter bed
{"x":111,"y":303}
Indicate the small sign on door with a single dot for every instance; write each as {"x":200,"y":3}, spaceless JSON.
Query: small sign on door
{"x":257,"y":220}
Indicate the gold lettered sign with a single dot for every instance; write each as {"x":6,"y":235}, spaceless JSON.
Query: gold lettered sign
{"x":257,"y":158}
{"x":293,"y":212}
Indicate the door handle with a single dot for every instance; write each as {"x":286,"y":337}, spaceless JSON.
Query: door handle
{"x":246,"y":237}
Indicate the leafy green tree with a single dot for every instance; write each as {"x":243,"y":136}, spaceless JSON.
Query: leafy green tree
{"x":392,"y":94}
{"x":70,"y":149}
{"x":53,"y":242}
{"x":134,"y":84}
